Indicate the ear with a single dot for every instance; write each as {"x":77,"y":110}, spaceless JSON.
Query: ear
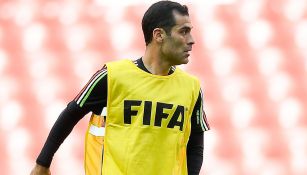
{"x":158,"y":35}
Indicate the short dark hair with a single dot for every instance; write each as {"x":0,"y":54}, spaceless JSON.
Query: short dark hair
{"x":160,"y":15}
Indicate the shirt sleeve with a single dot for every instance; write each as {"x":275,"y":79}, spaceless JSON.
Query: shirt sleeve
{"x":199,"y":121}
{"x":195,"y":145}
{"x":59,"y":131}
{"x":93,"y":97}
{"x":195,"y":150}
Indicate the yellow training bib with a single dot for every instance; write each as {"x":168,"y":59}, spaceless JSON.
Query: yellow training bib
{"x":148,"y":121}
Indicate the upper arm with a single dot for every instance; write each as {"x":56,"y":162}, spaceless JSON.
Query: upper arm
{"x":93,"y":97}
{"x":198,"y":119}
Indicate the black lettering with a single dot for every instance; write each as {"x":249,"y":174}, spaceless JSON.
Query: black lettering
{"x":147,"y":112}
{"x":128,"y":112}
{"x":174,"y":120}
{"x":160,"y":114}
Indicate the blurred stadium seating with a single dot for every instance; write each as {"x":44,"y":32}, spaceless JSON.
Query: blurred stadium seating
{"x":251,"y":57}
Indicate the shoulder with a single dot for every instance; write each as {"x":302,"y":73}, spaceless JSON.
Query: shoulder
{"x":119,"y":62}
{"x":187,"y":75}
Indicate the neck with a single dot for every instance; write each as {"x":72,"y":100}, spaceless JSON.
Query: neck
{"x":154,"y":63}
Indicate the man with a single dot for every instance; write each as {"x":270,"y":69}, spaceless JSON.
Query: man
{"x":154,"y":112}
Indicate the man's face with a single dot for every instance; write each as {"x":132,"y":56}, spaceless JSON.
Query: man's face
{"x":177,"y":45}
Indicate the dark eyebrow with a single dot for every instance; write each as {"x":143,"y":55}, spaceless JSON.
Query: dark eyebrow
{"x":185,"y":28}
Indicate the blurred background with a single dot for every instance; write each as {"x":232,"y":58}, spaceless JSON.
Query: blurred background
{"x":250,"y":55}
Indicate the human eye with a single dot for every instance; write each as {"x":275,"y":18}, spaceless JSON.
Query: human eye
{"x":185,"y":31}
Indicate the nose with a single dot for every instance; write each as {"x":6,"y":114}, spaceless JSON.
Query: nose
{"x":190,"y":40}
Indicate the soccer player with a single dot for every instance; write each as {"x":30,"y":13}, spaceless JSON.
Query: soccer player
{"x":147,"y":114}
